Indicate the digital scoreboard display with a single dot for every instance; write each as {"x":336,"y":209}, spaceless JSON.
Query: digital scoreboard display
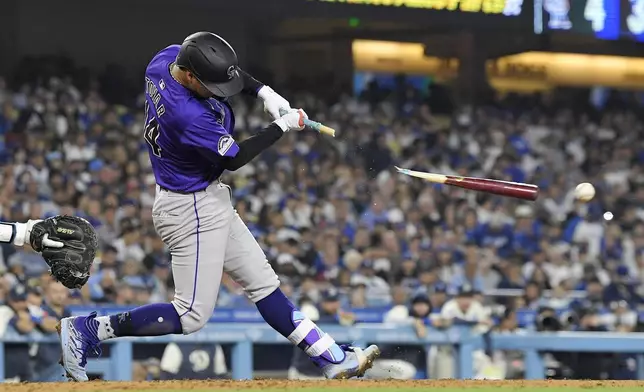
{"x":605,"y":19}
{"x":491,"y":7}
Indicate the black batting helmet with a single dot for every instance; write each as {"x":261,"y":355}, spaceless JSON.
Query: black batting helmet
{"x":213,"y":62}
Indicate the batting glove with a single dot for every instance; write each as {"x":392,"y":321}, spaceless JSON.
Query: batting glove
{"x":292,"y":120}
{"x":273,"y":102}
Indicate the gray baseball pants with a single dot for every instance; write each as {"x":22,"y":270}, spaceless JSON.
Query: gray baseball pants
{"x":206,"y":237}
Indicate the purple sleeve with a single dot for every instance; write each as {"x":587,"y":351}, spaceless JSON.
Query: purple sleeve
{"x":210,"y":138}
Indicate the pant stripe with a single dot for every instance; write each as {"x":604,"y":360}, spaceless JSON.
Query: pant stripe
{"x":194,"y":288}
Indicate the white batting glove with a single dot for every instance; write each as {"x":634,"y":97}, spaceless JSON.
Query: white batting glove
{"x":273,"y":102}
{"x":293,"y":120}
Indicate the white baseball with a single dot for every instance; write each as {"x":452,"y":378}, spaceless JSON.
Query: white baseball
{"x":585,"y":192}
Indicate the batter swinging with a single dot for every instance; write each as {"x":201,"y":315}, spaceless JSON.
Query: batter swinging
{"x":189,"y":130}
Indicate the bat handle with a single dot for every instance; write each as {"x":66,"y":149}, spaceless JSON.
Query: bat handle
{"x":315,"y":125}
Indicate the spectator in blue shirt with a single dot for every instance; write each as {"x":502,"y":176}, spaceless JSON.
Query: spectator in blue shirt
{"x":375,"y":214}
{"x":496,"y":234}
{"x":527,"y":231}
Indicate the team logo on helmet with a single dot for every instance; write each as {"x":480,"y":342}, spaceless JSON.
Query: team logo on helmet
{"x":232,"y":72}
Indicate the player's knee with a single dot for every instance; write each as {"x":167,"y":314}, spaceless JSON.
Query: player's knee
{"x":193,"y":318}
{"x":263,"y":288}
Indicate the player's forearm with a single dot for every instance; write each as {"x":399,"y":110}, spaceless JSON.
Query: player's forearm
{"x":253,"y":146}
{"x":14,"y":233}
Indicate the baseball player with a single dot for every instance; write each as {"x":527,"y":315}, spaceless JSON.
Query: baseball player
{"x":189,"y":130}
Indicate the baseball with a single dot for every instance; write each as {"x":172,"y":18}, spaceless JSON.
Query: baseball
{"x":584,"y":192}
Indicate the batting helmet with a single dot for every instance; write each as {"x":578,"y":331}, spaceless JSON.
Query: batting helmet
{"x":213,"y":62}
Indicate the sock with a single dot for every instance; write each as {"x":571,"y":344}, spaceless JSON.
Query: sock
{"x":281,"y":314}
{"x":147,"y":320}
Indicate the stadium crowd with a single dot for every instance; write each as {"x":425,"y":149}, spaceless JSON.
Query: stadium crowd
{"x":335,"y":220}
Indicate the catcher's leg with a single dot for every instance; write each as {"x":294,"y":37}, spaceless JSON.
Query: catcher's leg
{"x":246,"y":263}
{"x":195,"y":227}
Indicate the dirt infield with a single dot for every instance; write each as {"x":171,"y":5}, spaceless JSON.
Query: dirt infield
{"x":296,"y":385}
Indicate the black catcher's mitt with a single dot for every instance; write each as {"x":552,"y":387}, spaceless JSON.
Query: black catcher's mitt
{"x":70,"y":264}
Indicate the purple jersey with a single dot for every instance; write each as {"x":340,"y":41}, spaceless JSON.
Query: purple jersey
{"x":187,"y":136}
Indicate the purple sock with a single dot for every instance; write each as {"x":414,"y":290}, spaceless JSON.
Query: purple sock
{"x":147,"y":320}
{"x":281,"y":314}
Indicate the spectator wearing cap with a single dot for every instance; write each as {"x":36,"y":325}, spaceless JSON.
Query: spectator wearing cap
{"x":407,"y":273}
{"x":463,"y":309}
{"x":128,"y":244}
{"x":34,"y":297}
{"x":15,"y":318}
{"x":438,"y":297}
{"x":54,"y":308}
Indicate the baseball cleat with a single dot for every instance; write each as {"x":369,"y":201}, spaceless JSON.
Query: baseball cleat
{"x":76,"y":340}
{"x":356,"y":362}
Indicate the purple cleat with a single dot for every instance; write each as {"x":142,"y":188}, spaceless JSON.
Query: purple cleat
{"x":77,"y":337}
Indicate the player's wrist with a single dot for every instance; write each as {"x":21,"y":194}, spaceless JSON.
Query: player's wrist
{"x":265,"y":92}
{"x":281,"y":122}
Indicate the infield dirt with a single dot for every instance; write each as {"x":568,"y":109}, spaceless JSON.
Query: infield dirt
{"x":276,"y":385}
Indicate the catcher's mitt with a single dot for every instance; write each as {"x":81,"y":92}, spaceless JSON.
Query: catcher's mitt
{"x":70,"y":264}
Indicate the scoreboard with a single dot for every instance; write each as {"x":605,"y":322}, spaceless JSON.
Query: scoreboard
{"x":486,"y":7}
{"x":605,"y":19}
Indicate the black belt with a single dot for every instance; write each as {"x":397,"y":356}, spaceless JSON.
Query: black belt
{"x":184,"y":192}
{"x":179,"y":192}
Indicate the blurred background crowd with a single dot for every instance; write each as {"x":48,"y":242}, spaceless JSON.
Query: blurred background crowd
{"x":351,"y":240}
{"x":338,"y":225}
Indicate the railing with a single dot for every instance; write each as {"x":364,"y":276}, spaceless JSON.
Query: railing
{"x":118,"y":366}
{"x":525,"y":317}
